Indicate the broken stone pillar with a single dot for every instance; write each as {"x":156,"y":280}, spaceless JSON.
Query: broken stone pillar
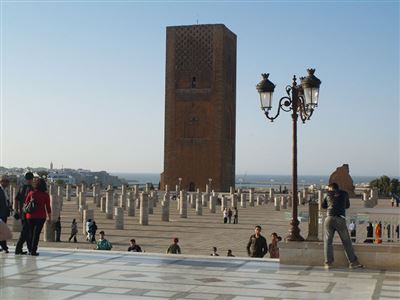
{"x":136,"y":196}
{"x":103,"y":204}
{"x":300,"y":197}
{"x":234,"y":200}
{"x":119,"y":217}
{"x":115,"y":199}
{"x":82,"y":200}
{"x":224,"y":203}
{"x":68,"y":192}
{"x":183,"y":204}
{"x":109,"y":203}
{"x":165,"y":207}
{"x":277,"y":203}
{"x":199,"y":206}
{"x":271,"y":194}
{"x":232,"y":190}
{"x":192,"y":200}
{"x":144,"y":209}
{"x":290,"y":200}
{"x":243,"y":200}
{"x":283,"y":202}
{"x":151,"y":201}
{"x":131,"y":205}
{"x":313,"y":221}
{"x":77,"y":191}
{"x":259,"y":200}
{"x":49,"y":232}
{"x":251,"y":197}
{"x":213,"y":203}
{"x":204,"y":199}
{"x":87,"y":214}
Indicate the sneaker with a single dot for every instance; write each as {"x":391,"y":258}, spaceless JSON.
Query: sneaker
{"x":328,"y":266}
{"x":356,"y":265}
{"x":35,"y":254}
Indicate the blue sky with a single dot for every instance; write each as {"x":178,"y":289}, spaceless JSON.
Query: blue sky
{"x":82,"y":83}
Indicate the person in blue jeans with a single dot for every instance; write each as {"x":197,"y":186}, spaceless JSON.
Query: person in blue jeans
{"x":336,"y":202}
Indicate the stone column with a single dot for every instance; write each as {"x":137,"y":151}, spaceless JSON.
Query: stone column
{"x":231,"y":190}
{"x":199,"y":206}
{"x":131,"y":205}
{"x":283,"y":202}
{"x":68,"y":192}
{"x":183,"y":205}
{"x":259,"y":200}
{"x":119,"y":217}
{"x":103,"y":204}
{"x":82,"y":199}
{"x":87,"y":214}
{"x":122,"y":200}
{"x":243,"y":200}
{"x":224,"y":202}
{"x":115,"y":199}
{"x":83,"y":188}
{"x":165,"y":207}
{"x":151,"y":201}
{"x":109,"y":203}
{"x":313,"y":222}
{"x":49,"y":232}
{"x":277,"y":203}
{"x":136,"y":196}
{"x":213,"y":203}
{"x":320,"y":199}
{"x":271,"y":194}
{"x":204,"y":199}
{"x":239,"y":194}
{"x":77,"y":191}
{"x":234,"y":200}
{"x":300,"y":196}
{"x":251,"y":197}
{"x":144,"y":209}
{"x":193,"y":200}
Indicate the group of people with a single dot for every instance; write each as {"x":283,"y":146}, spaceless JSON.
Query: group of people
{"x":228,"y":213}
{"x":32,"y":208}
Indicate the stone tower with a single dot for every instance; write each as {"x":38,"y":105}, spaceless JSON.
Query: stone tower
{"x":200,"y":107}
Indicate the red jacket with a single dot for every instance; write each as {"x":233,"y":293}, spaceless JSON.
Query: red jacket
{"x":42,"y":201}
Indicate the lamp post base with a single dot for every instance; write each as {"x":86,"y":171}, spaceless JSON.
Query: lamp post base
{"x":294,"y":232}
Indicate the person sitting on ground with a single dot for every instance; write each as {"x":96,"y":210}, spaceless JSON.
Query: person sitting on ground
{"x":174,"y":248}
{"x":134,"y":247}
{"x":214,"y":253}
{"x":102,"y":243}
{"x":273,"y":247}
{"x":230,"y":253}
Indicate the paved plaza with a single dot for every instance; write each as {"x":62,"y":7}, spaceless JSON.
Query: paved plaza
{"x":83,"y":274}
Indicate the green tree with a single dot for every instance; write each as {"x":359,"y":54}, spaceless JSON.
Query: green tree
{"x":385,"y":185}
{"x":394,"y":186}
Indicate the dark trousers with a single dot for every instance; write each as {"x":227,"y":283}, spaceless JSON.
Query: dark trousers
{"x":58,"y":235}
{"x":35,"y":228}
{"x":73,"y":235}
{"x":23,"y":237}
{"x":235,"y":220}
{"x":3,"y":244}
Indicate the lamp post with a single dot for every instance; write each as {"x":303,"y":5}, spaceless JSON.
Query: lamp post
{"x":180,"y":182}
{"x":209,"y":184}
{"x":301,"y":100}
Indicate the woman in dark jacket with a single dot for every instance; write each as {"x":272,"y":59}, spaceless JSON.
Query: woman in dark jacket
{"x":37,"y":217}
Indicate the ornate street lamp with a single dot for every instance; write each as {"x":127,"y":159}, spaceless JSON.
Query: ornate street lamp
{"x":301,"y":101}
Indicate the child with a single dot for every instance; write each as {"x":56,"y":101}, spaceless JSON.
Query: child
{"x":273,"y":247}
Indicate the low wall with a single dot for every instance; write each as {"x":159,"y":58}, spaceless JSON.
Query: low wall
{"x":372,"y":256}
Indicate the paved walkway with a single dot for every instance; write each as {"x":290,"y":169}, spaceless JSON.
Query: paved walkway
{"x":83,"y":274}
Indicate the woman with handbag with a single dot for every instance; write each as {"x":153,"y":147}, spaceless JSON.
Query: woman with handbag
{"x":36,"y":213}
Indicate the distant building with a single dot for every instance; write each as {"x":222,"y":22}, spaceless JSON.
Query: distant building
{"x":200,"y":107}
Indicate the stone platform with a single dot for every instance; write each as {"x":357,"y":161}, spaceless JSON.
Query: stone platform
{"x":85,"y":274}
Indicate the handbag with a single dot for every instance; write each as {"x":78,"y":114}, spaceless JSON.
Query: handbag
{"x":30,"y":206}
{"x":5,"y":232}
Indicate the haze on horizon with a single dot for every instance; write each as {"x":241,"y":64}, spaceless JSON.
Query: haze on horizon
{"x":82,"y":83}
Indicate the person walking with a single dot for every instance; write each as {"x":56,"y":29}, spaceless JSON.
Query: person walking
{"x":336,"y":202}
{"x":92,"y":232}
{"x":74,"y":231}
{"x":273,"y":247}
{"x":19,"y":200}
{"x":235,"y":216}
{"x":257,"y":245}
{"x":225,"y":214}
{"x":174,"y":248}
{"x":4,"y":207}
{"x":229,"y":215}
{"x":37,"y":217}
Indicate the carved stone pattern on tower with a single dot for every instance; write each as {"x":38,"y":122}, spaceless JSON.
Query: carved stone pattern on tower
{"x":194,"y":57}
